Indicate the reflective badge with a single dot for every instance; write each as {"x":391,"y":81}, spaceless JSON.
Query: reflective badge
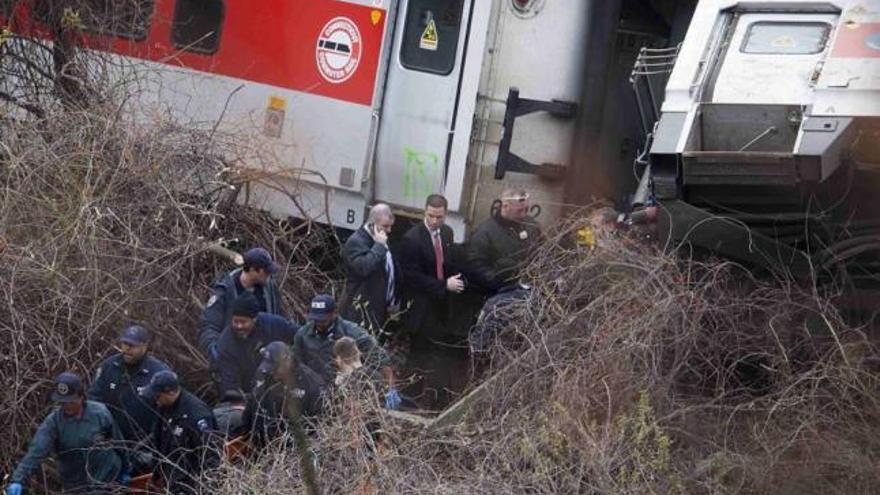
{"x":177,"y":431}
{"x":523,"y":235}
{"x":203,"y":425}
{"x":112,"y":386}
{"x":298,"y":393}
{"x":62,"y":389}
{"x":140,"y":390}
{"x":211,"y":300}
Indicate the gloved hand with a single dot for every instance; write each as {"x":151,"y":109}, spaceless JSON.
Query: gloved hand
{"x":392,"y":399}
{"x":13,"y":489}
{"x":124,"y":478}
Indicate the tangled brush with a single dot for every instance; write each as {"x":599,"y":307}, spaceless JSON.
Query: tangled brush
{"x":104,"y":222}
{"x":628,"y":370}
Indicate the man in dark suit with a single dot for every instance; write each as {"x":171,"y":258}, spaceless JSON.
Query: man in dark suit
{"x":371,"y":287}
{"x":429,"y":273}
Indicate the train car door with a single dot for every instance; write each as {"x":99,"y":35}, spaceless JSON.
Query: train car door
{"x":420,"y":101}
{"x":774,"y":58}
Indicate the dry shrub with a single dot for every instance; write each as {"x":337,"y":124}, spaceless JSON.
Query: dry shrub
{"x":631,"y":371}
{"x":626,"y":370}
{"x":104,"y":223}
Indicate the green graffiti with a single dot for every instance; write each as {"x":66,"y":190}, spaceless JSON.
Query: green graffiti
{"x":421,"y":174}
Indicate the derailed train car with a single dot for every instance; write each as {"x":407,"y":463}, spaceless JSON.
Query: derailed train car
{"x":767,"y":149}
{"x":360,"y":100}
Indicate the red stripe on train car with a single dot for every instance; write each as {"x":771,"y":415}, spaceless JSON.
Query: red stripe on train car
{"x":324,"y":47}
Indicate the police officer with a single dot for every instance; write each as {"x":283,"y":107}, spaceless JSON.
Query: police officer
{"x":254,"y":277}
{"x":284,"y":389}
{"x":501,"y":245}
{"x":118,"y":384}
{"x":84,"y":438}
{"x":314,"y":341}
{"x":184,"y":435}
{"x":241,"y":341}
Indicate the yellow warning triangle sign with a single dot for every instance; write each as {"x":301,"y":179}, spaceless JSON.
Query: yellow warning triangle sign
{"x":429,"y":38}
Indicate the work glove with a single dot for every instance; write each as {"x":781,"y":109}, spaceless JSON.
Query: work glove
{"x":392,"y":399}
{"x":13,"y":489}
{"x":124,"y":478}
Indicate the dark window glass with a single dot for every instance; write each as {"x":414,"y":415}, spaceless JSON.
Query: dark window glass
{"x":6,"y":7}
{"x":430,"y":37}
{"x":197,"y":24}
{"x":786,"y":38}
{"x":122,"y":18}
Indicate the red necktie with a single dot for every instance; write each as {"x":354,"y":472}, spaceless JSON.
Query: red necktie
{"x":438,"y":255}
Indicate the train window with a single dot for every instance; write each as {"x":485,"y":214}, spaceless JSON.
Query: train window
{"x":430,"y":37}
{"x":122,"y":18}
{"x":197,"y":24}
{"x":6,"y":7}
{"x":786,"y":38}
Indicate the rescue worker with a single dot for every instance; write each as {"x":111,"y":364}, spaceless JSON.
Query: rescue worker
{"x":284,"y":389}
{"x":85,"y":440}
{"x":501,"y":245}
{"x":428,"y":272}
{"x":255,"y":277}
{"x":118,"y":384}
{"x":314,"y":342}
{"x":241,"y":341}
{"x":184,"y":437}
{"x":372,"y":276}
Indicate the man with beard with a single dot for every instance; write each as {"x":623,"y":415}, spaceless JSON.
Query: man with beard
{"x":85,"y":440}
{"x":118,"y":384}
{"x":240,"y":343}
{"x":254,"y":277}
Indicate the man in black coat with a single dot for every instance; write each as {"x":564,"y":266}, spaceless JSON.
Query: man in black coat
{"x":429,"y":273}
{"x":118,"y":383}
{"x":285,"y":390}
{"x":255,"y":277}
{"x":371,"y":286}
{"x":502,"y":245}
{"x":241,"y":341}
{"x":184,"y":437}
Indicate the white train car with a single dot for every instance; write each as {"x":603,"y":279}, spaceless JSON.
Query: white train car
{"x":359,"y":101}
{"x":767,"y":146}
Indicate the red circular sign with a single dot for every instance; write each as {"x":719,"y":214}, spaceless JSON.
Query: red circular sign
{"x":338,"y":50}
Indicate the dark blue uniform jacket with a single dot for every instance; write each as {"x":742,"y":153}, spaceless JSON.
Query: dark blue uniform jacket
{"x":120,"y":390}
{"x":239,"y":358}
{"x":218,"y":311}
{"x":186,"y":443}
{"x":268,"y":408}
